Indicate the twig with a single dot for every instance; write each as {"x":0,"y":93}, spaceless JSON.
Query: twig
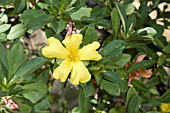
{"x":69,"y":29}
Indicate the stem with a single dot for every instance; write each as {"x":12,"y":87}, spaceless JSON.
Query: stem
{"x":69,"y":29}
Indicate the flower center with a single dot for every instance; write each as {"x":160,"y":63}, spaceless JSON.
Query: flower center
{"x":74,"y":57}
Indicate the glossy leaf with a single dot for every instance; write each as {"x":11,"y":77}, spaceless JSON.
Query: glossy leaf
{"x":134,"y":104}
{"x":165,"y":98}
{"x":112,"y":76}
{"x":119,"y":109}
{"x":36,"y":91}
{"x":84,"y":102}
{"x":117,"y":62}
{"x":130,"y":94}
{"x":88,"y":88}
{"x":35,"y":19}
{"x":115,"y":22}
{"x":139,"y":85}
{"x":161,"y":59}
{"x":129,"y":9}
{"x":163,"y":75}
{"x":17,"y":31}
{"x":42,"y":105}
{"x":19,"y":5}
{"x":167,"y":49}
{"x":3,"y":56}
{"x":59,"y":26}
{"x":114,"y":48}
{"x":5,"y":2}
{"x":27,"y":68}
{"x":90,"y":36}
{"x":15,"y":57}
{"x":123,"y":16}
{"x":110,"y":87}
{"x":80,"y":13}
{"x":3,"y":37}
{"x":4,"y":27}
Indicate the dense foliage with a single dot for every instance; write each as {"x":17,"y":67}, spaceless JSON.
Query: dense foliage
{"x":131,"y":77}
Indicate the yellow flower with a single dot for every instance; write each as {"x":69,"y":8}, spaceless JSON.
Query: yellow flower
{"x":165,"y":108}
{"x":73,"y":57}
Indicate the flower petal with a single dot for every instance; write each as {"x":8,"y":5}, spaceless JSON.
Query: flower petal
{"x":89,"y":52}
{"x":147,"y":73}
{"x":55,"y":49}
{"x":73,"y":42}
{"x":63,"y":70}
{"x":165,"y":107}
{"x":140,"y":58}
{"x":79,"y":73}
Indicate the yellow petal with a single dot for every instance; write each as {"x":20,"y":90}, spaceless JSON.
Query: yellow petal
{"x":89,"y":52}
{"x":55,"y":49}
{"x":63,"y":70}
{"x":165,"y":108}
{"x":73,"y":42}
{"x":79,"y":73}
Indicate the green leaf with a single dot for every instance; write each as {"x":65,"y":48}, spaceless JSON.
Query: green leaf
{"x":133,"y":101}
{"x":136,"y":66}
{"x":149,"y":30}
{"x":129,"y":9}
{"x":1,"y":74}
{"x":124,"y":86}
{"x":36,"y":91}
{"x":71,"y":3}
{"x":17,"y":31}
{"x":163,"y":75}
{"x":161,"y":59}
{"x":153,"y":81}
{"x":53,"y":2}
{"x":43,"y":76}
{"x":19,"y":5}
{"x":88,"y":89}
{"x":2,"y":94}
{"x":23,"y":107}
{"x":3,"y":18}
{"x":27,"y":68}
{"x":112,"y":76}
{"x":3,"y":37}
{"x":84,"y":102}
{"x":75,"y":110}
{"x":131,"y":22}
{"x":90,"y":36}
{"x":59,"y":26}
{"x":130,"y":94}
{"x":165,"y":98}
{"x":83,"y":11}
{"x":114,"y":48}
{"x":4,"y":27}
{"x":42,"y":105}
{"x":119,"y":109}
{"x":134,"y":104}
{"x":143,"y":12}
{"x":15,"y":57}
{"x":115,"y":22}
{"x":123,"y":16}
{"x":110,"y":87}
{"x":3,"y":56}
{"x":139,"y":85}
{"x":5,"y":2}
{"x":40,"y":22}
{"x":35,"y":19}
{"x":97,"y":21}
{"x":117,"y":61}
{"x":166,"y":49}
